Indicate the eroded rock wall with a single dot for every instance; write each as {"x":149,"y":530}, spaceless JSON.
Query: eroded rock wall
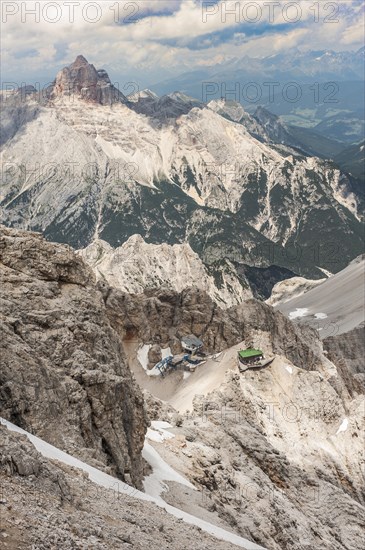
{"x":64,"y":375}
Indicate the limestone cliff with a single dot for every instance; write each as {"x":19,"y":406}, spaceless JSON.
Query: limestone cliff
{"x":163,"y":316}
{"x":64,"y":375}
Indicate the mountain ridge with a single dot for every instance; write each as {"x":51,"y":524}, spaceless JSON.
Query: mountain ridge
{"x":180,"y":172}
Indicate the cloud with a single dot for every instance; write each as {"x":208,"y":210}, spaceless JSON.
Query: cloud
{"x":353,"y":34}
{"x":151,"y":39}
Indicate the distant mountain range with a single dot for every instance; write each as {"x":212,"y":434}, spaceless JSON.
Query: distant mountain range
{"x":321,"y":90}
{"x":82,"y":162}
{"x":323,"y":66}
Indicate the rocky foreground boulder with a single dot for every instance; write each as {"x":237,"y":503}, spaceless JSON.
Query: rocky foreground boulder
{"x":64,"y":376}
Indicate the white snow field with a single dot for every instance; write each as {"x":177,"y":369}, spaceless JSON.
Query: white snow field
{"x":333,"y":307}
{"x":110,"y":482}
{"x":154,"y":483}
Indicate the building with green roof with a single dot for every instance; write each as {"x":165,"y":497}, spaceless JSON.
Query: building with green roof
{"x":250,"y":355}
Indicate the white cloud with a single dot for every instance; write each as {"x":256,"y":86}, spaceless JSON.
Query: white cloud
{"x":157,"y":44}
{"x":353,"y":34}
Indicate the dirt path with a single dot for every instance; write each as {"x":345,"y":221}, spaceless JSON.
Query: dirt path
{"x":205,"y":379}
{"x":177,"y":389}
{"x":163,"y":388}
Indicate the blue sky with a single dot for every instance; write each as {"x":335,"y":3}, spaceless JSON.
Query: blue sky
{"x":149,"y":40}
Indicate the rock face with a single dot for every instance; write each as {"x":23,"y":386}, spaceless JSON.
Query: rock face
{"x":137,"y":265}
{"x":154,"y":355}
{"x":348,"y":352}
{"x":81,"y":79}
{"x":275,"y":452}
{"x":162,"y":315}
{"x":174,"y":171}
{"x":64,"y":375}
{"x":287,"y":482}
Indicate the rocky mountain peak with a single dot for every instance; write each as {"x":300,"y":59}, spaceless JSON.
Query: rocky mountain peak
{"x":80,"y":60}
{"x":83,"y":80}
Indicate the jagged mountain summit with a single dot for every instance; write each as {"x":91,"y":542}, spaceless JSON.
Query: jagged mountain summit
{"x":83,"y":80}
{"x":83,"y":162}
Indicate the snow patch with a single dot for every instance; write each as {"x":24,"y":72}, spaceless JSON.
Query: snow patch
{"x":320,"y":315}
{"x":158,"y":431}
{"x":166,"y":352}
{"x":341,"y":297}
{"x":154,"y":484}
{"x":158,"y":435}
{"x":154,"y":372}
{"x":142,"y":356}
{"x":160,"y":425}
{"x":344,"y":426}
{"x":299,"y":312}
{"x":325,"y":271}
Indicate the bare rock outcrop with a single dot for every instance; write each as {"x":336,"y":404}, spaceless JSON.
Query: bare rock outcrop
{"x":347,"y":351}
{"x":81,"y":79}
{"x":64,"y":376}
{"x":272,"y":456}
{"x":154,"y":355}
{"x":20,"y":458}
{"x":162,"y":315}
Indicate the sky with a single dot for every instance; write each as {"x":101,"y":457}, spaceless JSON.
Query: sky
{"x":147,"y":41}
